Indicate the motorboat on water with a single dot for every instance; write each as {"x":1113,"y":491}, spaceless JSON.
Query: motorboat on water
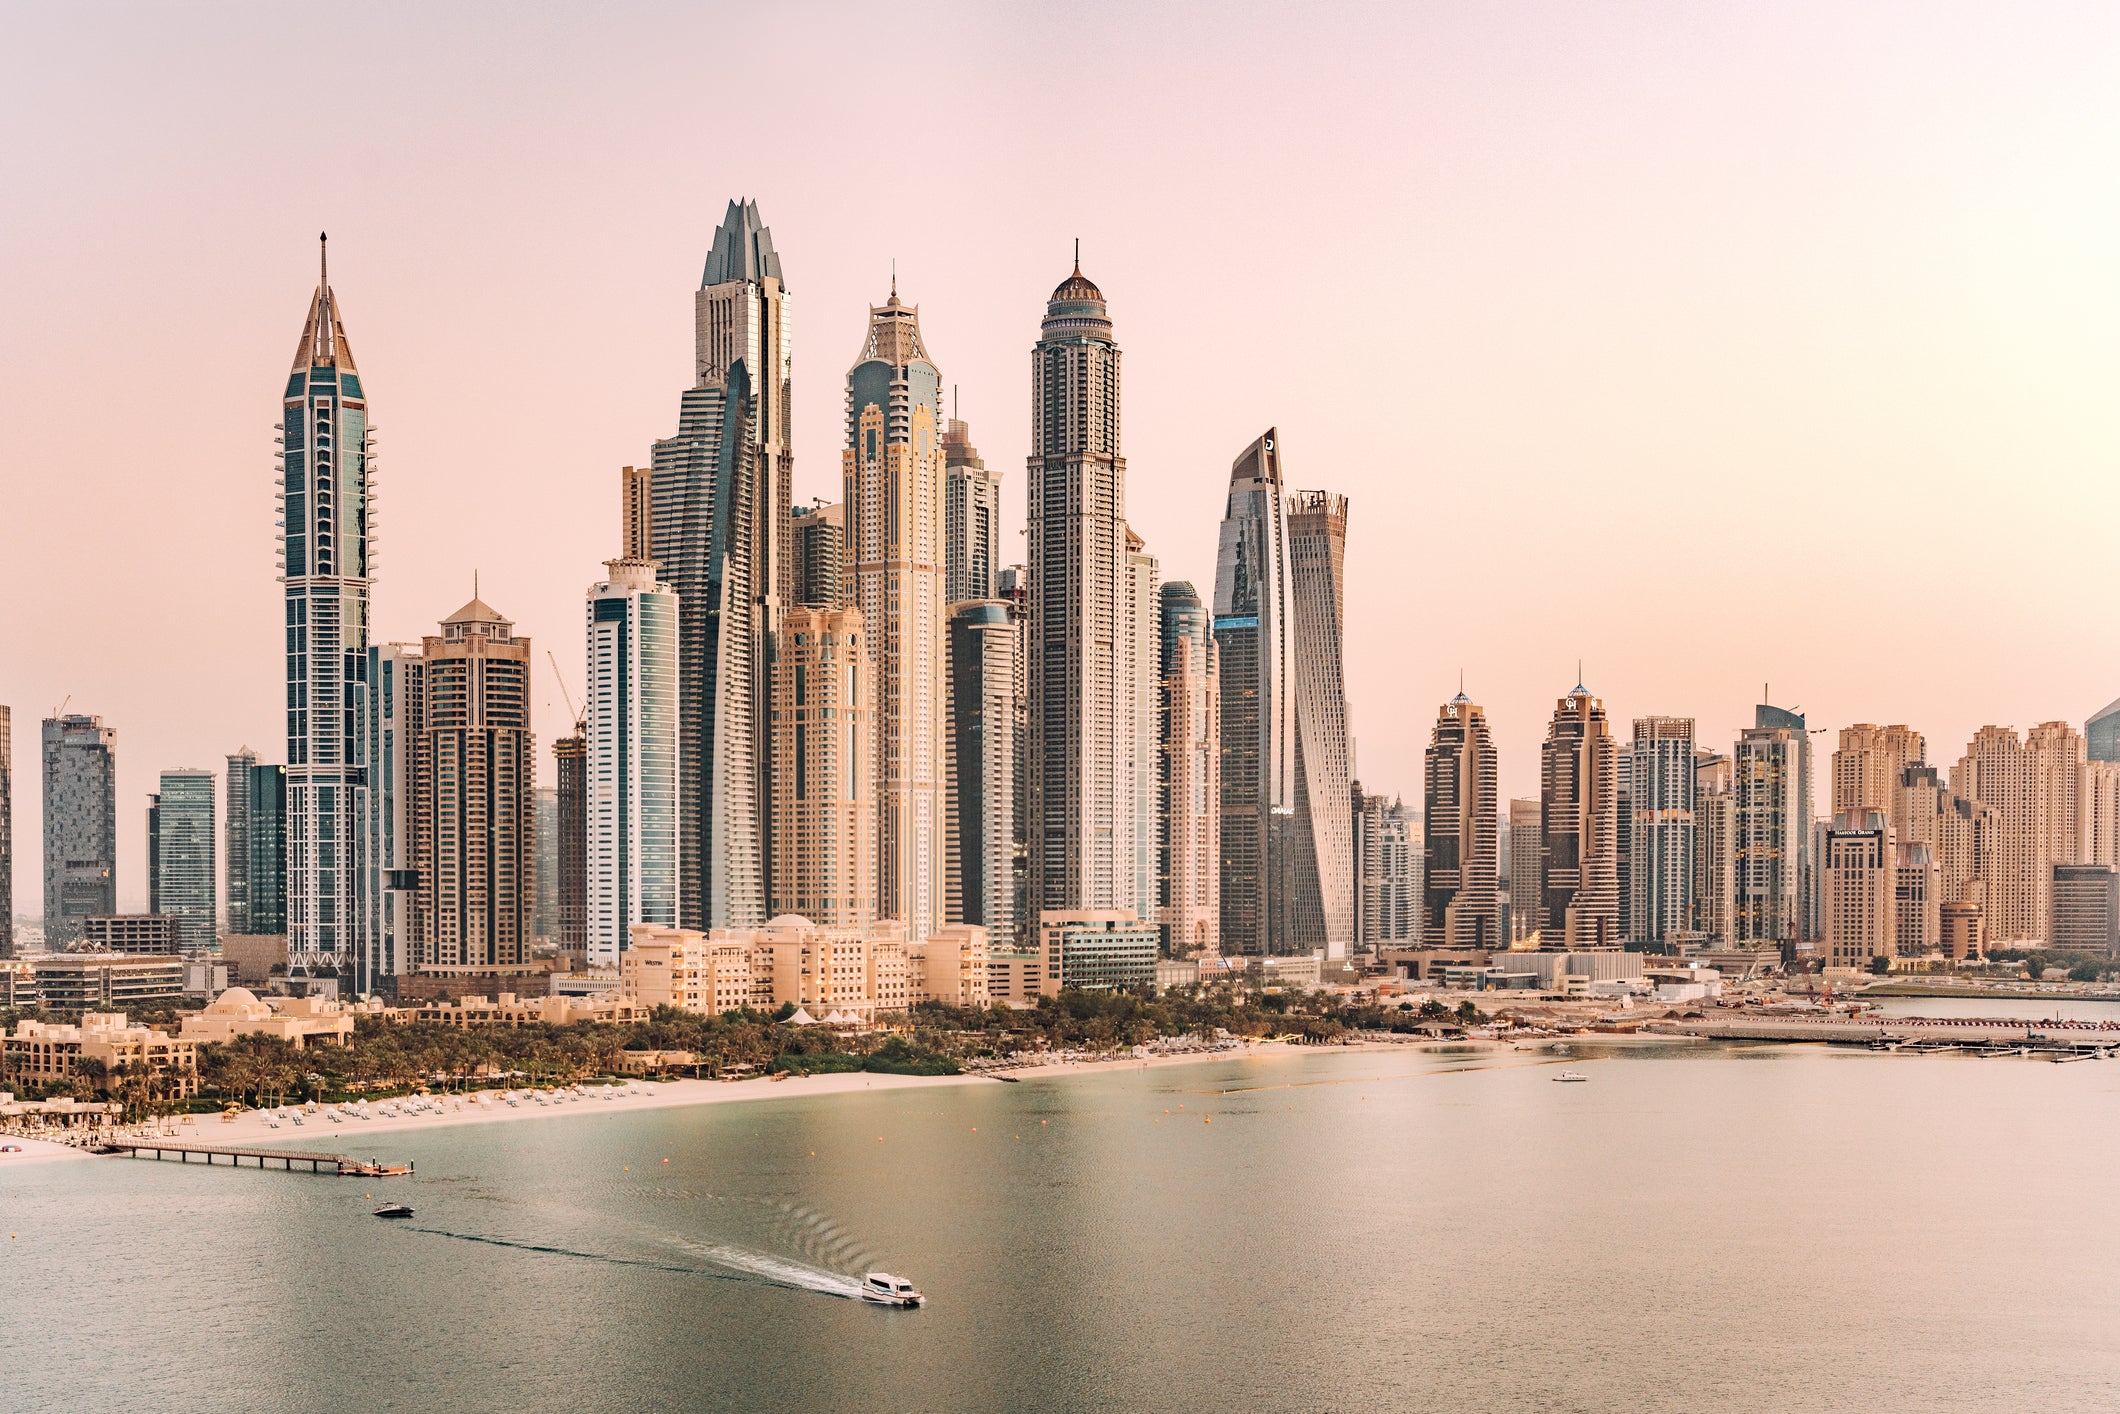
{"x":1569,"y":1077}
{"x":393,"y":1210}
{"x":887,"y":1290}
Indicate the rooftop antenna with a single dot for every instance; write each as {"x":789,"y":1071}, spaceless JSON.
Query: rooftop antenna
{"x":956,"y":404}
{"x":1078,"y":255}
{"x":894,"y":277}
{"x":324,"y":259}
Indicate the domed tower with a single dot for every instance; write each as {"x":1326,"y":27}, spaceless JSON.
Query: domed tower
{"x":1082,"y":817}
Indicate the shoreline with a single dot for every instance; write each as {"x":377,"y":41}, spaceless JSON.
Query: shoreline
{"x":253,"y":1127}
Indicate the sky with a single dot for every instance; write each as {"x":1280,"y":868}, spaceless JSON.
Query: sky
{"x":1712,"y":345}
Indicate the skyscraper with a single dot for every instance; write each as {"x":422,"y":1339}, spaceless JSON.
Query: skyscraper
{"x":1661,"y":862}
{"x":475,"y":817}
{"x":1859,"y":889}
{"x":982,"y":764}
{"x":894,"y":572}
{"x":1081,"y":778}
{"x":154,"y":853}
{"x":570,"y":763}
{"x":1773,"y":834}
{"x":326,"y":541}
{"x":1579,"y":825}
{"x":824,"y":777}
{"x":392,"y":706}
{"x":1869,"y":764}
{"x":1142,"y":653}
{"x":235,"y":840}
{"x":721,"y":516}
{"x":1388,"y":862}
{"x":80,"y":761}
{"x":818,"y":546}
{"x":265,"y":849}
{"x":546,"y":914}
{"x":1527,"y":853}
{"x":1252,"y":652}
{"x":1461,"y":822}
{"x":2035,"y":788}
{"x":183,"y":882}
{"x":2101,"y":734}
{"x":1188,"y":777}
{"x":1715,"y":848}
{"x":971,"y":518}
{"x":7,"y":834}
{"x":634,"y":792}
{"x":1323,"y":916}
{"x":1766,"y":716}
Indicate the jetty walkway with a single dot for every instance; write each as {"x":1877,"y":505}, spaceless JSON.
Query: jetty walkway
{"x":344,"y":1165}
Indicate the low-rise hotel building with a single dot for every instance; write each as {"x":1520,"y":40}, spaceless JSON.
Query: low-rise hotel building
{"x":41,"y":1052}
{"x":858,"y":971}
{"x":137,"y":933}
{"x":1096,"y":949}
{"x":295,"y":1020}
{"x":108,"y":981}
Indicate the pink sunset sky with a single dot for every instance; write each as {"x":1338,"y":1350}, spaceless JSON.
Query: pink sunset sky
{"x":1711,"y":344}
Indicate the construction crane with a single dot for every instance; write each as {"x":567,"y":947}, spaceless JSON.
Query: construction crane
{"x":60,"y":710}
{"x":576,"y":717}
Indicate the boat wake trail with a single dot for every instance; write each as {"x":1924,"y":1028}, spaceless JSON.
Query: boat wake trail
{"x":780,"y":1271}
{"x":563,"y":1251}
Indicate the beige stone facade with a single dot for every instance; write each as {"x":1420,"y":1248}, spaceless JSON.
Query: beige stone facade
{"x":856,"y":973}
{"x":39,"y":1053}
{"x":295,"y":1020}
{"x":1869,"y":764}
{"x":1860,"y":889}
{"x":824,"y":773}
{"x":2035,"y":786}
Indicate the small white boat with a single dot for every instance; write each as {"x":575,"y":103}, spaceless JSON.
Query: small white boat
{"x":1568,"y":1077}
{"x":887,"y":1290}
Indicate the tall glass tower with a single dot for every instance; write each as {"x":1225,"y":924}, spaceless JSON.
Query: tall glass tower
{"x":184,"y":856}
{"x":326,"y":531}
{"x":720,"y":525}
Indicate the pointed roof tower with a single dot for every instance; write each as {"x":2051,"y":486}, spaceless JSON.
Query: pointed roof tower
{"x":894,"y":332}
{"x":324,"y":332}
{"x":743,"y":249}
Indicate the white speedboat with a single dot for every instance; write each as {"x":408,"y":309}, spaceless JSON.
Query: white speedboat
{"x":887,"y":1290}
{"x":1568,"y":1077}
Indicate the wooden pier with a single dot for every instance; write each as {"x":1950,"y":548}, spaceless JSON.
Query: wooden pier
{"x":342,"y":1165}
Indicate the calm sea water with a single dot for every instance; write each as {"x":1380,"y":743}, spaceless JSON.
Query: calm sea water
{"x":1699,"y":1227}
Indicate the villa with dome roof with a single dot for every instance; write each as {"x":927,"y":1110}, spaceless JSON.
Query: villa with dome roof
{"x":296,"y":1020}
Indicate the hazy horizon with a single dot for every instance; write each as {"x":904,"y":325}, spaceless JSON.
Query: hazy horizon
{"x":1711,"y":346}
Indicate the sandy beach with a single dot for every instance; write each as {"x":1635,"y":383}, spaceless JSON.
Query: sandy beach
{"x":317,"y":1131}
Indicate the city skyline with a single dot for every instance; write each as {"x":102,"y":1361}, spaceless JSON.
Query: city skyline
{"x":220,"y":264}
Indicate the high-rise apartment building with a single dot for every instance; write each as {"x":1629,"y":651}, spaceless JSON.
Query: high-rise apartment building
{"x":1082,"y":794}
{"x":1014,"y":591}
{"x":1868,"y":767}
{"x":983,"y":769}
{"x":1143,"y":655}
{"x":817,"y":544}
{"x":634,"y":793}
{"x":1917,"y":922}
{"x":894,"y":572}
{"x":2035,"y":787}
{"x":1527,"y":845}
{"x":1461,"y":825}
{"x":2101,"y":734}
{"x":1661,"y":865}
{"x":1772,"y":834}
{"x":545,"y":914}
{"x":326,"y":543}
{"x":80,"y":766}
{"x":182,"y":883}
{"x":1323,"y":913}
{"x":1253,"y":655}
{"x":154,"y":854}
{"x":824,"y":777}
{"x":1579,"y":825}
{"x":1388,"y":865}
{"x":1859,"y":890}
{"x":971,"y":519}
{"x":721,"y":519}
{"x":264,"y":849}
{"x":390,"y":710}
{"x":1767,"y":717}
{"x":2098,"y":833}
{"x":7,"y":833}
{"x":475,"y":810}
{"x":1715,"y":848}
{"x":570,"y":767}
{"x":235,"y":841}
{"x":1188,"y":778}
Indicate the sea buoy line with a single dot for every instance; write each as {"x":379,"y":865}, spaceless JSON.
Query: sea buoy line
{"x":1376,"y":1079}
